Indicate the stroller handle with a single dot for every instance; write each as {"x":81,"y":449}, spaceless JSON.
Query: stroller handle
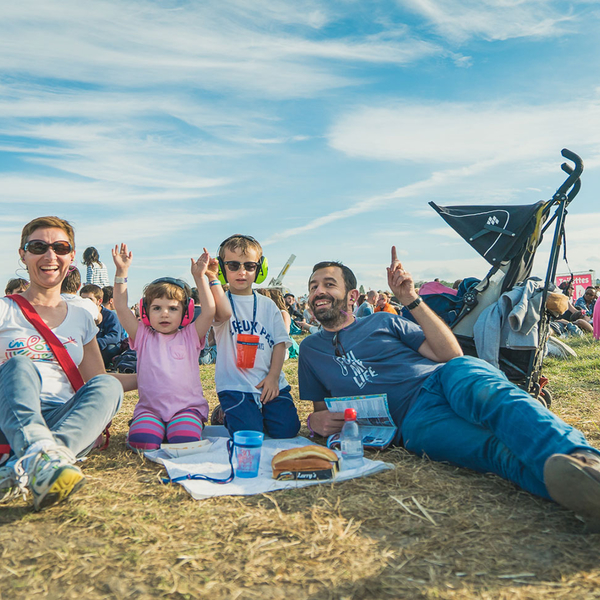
{"x":574,"y":173}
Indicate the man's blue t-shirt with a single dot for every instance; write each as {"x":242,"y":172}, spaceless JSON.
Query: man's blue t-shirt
{"x":378,"y":355}
{"x":364,"y":310}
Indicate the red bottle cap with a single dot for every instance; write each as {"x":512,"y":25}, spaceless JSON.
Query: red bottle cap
{"x":350,"y":414}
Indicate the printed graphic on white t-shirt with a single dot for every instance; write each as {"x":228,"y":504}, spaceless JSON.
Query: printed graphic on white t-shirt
{"x":19,"y":337}
{"x":270,"y":328}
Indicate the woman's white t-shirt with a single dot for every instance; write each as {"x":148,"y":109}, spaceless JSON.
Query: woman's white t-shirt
{"x":19,"y":337}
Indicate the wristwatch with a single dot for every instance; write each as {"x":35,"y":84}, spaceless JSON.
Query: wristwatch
{"x":120,"y":279}
{"x":415,"y":303}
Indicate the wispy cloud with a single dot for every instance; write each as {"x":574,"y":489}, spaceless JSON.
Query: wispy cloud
{"x":210,"y":45}
{"x":492,"y":20}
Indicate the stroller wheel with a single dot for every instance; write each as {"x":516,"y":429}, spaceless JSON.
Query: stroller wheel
{"x":546,"y":396}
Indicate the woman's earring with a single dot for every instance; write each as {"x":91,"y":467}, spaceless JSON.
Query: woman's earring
{"x":22,"y":265}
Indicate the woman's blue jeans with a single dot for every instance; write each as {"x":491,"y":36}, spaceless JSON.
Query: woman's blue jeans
{"x":24,"y":419}
{"x":469,"y":414}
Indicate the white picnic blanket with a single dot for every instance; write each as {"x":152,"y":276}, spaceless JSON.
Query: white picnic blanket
{"x":214,"y":463}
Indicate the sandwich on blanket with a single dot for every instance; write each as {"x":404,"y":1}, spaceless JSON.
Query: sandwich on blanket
{"x":305,"y":463}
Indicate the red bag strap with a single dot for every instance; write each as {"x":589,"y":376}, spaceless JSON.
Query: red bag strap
{"x":62,"y":355}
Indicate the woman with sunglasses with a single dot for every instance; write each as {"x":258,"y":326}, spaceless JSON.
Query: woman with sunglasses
{"x":45,"y":422}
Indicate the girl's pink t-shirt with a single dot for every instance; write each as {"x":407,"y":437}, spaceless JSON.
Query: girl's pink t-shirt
{"x":168,"y":373}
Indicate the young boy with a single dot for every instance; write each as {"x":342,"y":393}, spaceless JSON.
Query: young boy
{"x":256,"y":398}
{"x":110,"y":332}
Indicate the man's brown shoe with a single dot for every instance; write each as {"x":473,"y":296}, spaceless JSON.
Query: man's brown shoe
{"x":573,"y":481}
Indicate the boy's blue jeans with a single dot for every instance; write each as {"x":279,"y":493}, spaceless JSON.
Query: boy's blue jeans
{"x":277,"y":418}
{"x":469,"y":414}
{"x":75,"y":424}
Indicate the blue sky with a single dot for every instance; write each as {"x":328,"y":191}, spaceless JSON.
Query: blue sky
{"x":320,"y":128}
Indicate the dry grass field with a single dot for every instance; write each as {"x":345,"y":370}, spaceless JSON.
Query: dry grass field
{"x":125,"y":535}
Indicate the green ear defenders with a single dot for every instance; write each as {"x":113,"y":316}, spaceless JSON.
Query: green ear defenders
{"x":263,"y":263}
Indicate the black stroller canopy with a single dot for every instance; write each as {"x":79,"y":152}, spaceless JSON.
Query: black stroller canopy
{"x":496,"y":232}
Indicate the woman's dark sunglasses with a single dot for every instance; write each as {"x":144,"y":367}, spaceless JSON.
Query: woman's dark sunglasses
{"x":234,"y":265}
{"x":40,"y":247}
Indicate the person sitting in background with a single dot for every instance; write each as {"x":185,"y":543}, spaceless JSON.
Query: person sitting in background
{"x":573,"y":314}
{"x":107,"y":297}
{"x":587,"y":302}
{"x":96,"y":271}
{"x":110,"y":333}
{"x":368,"y":306}
{"x":291,"y":326}
{"x":68,"y":291}
{"x":16,"y":286}
{"x":383,"y":305}
{"x":292,"y":307}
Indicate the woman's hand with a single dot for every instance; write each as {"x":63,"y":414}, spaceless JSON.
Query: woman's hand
{"x":122,"y":258}
{"x":200,"y":266}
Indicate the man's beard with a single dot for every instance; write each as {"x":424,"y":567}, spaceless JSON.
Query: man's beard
{"x":331,"y":316}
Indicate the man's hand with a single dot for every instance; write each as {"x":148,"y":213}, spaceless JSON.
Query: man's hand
{"x":326,"y":423}
{"x":400,"y":281}
{"x":270,"y":388}
{"x":122,"y":258}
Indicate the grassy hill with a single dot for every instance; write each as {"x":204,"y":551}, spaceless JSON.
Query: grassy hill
{"x":127,"y":536}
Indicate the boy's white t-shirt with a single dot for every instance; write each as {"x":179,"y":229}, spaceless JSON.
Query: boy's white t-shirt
{"x":19,"y":337}
{"x":269,"y":326}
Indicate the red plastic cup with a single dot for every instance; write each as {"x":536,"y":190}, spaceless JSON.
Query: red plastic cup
{"x":247,"y":345}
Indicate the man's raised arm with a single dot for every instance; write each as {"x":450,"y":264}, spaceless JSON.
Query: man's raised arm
{"x":440,"y":343}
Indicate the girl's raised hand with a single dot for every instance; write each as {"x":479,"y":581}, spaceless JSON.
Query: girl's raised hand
{"x":200,"y":266}
{"x":122,"y":257}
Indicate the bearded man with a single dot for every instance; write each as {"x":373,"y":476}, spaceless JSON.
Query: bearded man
{"x":447,"y":406}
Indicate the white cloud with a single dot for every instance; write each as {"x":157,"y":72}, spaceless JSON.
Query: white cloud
{"x":493,"y":19}
{"x":464,"y":133}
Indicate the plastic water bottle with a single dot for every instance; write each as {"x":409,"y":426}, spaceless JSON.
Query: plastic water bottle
{"x":351,"y":441}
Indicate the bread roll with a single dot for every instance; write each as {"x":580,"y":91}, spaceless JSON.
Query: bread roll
{"x":304,"y":453}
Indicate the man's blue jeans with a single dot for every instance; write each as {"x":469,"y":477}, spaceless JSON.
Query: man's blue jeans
{"x":469,"y":414}
{"x":75,"y":424}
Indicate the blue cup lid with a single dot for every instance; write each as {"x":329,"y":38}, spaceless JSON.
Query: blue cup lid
{"x":248,"y":438}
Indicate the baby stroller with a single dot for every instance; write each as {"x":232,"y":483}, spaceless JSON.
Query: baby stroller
{"x":508,"y":237}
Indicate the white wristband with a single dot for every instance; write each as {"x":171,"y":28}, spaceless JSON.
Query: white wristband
{"x":120,"y":279}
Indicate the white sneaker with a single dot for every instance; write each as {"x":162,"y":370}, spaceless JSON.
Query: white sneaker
{"x":12,"y":482}
{"x":52,"y":475}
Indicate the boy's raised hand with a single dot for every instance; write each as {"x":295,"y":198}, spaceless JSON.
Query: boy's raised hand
{"x":199,"y":266}
{"x":212,"y":271}
{"x":122,"y":257}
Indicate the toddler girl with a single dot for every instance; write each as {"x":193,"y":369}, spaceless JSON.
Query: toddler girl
{"x":172,"y":406}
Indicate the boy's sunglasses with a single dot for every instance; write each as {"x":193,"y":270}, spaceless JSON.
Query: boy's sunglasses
{"x":234,"y":265}
{"x":40,"y":247}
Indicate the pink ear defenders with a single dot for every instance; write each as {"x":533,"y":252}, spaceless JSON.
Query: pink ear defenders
{"x":188,"y":314}
{"x":263,"y":263}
